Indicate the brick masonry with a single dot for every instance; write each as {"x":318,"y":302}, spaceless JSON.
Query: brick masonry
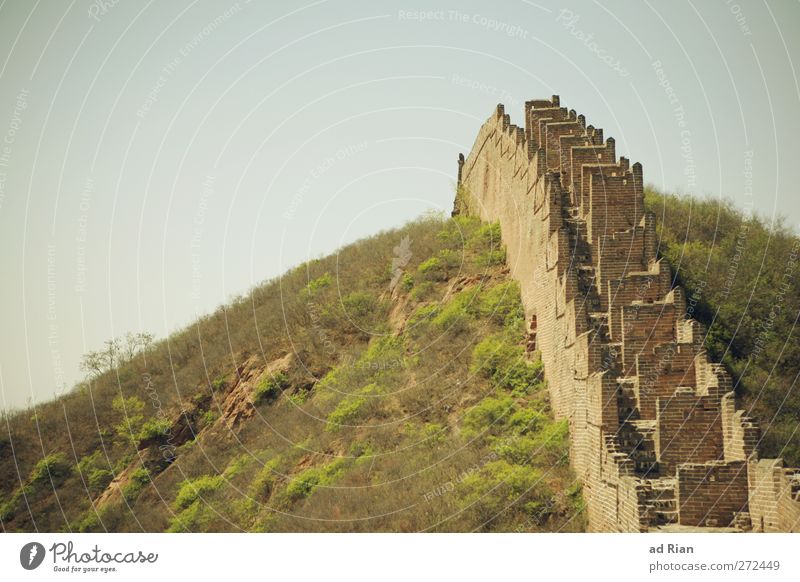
{"x":655,"y":434}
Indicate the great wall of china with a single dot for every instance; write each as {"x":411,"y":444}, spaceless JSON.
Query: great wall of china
{"x":655,"y":434}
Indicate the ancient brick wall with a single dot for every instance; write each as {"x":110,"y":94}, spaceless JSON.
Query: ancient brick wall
{"x":655,"y":434}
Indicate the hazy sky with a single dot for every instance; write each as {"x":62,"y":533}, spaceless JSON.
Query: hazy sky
{"x":159,"y":158}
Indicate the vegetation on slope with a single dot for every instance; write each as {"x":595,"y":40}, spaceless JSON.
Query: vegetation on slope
{"x":385,"y":388}
{"x":742,"y":279}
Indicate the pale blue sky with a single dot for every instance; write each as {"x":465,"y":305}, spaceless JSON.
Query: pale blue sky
{"x":158,"y":159}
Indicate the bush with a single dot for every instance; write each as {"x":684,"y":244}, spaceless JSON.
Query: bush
{"x":423,"y":315}
{"x":488,"y":416}
{"x":130,"y":411}
{"x":423,"y":291}
{"x":318,"y":284}
{"x":501,"y":303}
{"x":492,"y":258}
{"x":346,"y":412}
{"x":98,"y":480}
{"x":359,"y":305}
{"x":489,"y":235}
{"x":505,"y":365}
{"x":155,"y":428}
{"x":499,"y":484}
{"x":138,"y":481}
{"x":53,"y":468}
{"x":191,"y":490}
{"x":433,"y":270}
{"x":262,"y":486}
{"x":304,"y":484}
{"x":270,"y":387}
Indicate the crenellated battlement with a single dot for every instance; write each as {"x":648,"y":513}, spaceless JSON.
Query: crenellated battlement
{"x":655,"y":434}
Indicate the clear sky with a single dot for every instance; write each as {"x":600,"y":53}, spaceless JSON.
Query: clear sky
{"x":158,"y":159}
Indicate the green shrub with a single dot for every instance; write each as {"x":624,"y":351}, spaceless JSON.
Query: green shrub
{"x":190,"y":490}
{"x":458,"y":230}
{"x":433,"y":270}
{"x":492,"y":258}
{"x":98,"y":480}
{"x":130,"y":411}
{"x":505,"y":365}
{"x":406,"y":283}
{"x":489,"y":235}
{"x":318,"y":284}
{"x":502,"y":304}
{"x":422,"y":315}
{"x":195,"y":518}
{"x":270,"y":387}
{"x":155,"y":427}
{"x":262,"y":486}
{"x":488,"y":416}
{"x":217,"y":384}
{"x":138,"y":481}
{"x":346,"y":412}
{"x":53,"y":468}
{"x":359,"y":304}
{"x":304,"y":484}
{"x":209,"y":417}
{"x":237,"y":465}
{"x":449,"y":260}
{"x":423,"y":291}
{"x":500,"y":484}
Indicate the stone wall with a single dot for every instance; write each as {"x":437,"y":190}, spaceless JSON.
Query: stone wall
{"x":655,"y":434}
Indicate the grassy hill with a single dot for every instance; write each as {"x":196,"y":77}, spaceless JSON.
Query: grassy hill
{"x":384,"y":388}
{"x":742,"y":279}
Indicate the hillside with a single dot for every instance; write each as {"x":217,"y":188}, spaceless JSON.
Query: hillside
{"x":384,"y":388}
{"x":742,"y":280}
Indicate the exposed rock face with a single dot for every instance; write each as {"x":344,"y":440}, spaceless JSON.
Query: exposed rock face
{"x":656,"y":437}
{"x":238,"y":403}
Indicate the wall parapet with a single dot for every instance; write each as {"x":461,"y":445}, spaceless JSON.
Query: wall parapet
{"x":655,"y":434}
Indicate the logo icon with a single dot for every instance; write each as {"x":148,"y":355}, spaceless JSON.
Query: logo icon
{"x":31,"y":555}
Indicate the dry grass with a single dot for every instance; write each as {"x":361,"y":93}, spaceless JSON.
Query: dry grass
{"x":387,"y":420}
